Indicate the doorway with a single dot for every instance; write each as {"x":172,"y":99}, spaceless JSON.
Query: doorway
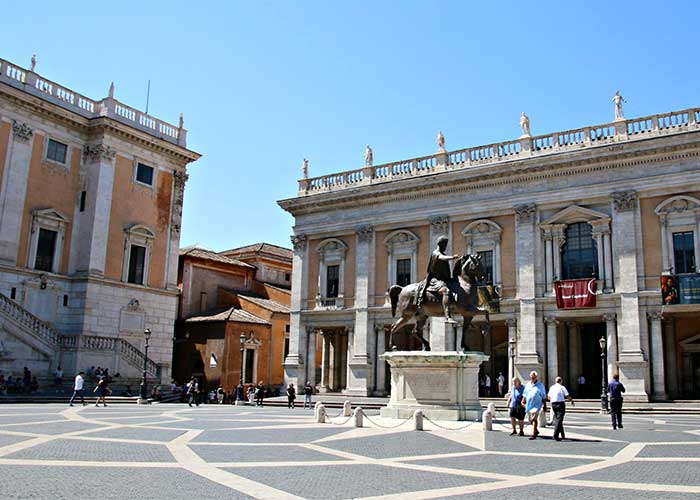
{"x":591,"y":365}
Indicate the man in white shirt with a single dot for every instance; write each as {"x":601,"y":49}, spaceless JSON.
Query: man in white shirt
{"x":500,"y":380}
{"x":78,"y":388}
{"x":558,"y":395}
{"x":487,"y":386}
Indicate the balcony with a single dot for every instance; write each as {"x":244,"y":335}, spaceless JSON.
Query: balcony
{"x":680,"y":288}
{"x":329,"y":303}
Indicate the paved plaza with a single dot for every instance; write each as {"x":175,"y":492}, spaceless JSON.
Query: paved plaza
{"x":225,"y":452}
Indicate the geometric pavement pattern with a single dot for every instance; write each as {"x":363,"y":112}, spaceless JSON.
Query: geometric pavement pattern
{"x":214,"y":452}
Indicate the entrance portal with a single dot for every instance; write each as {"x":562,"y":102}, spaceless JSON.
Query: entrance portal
{"x":590,"y":359}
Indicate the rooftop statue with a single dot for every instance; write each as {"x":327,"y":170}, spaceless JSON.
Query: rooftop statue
{"x":369,"y":156}
{"x":441,"y":141}
{"x":525,"y":124}
{"x":618,"y":100}
{"x":33,"y":63}
{"x":305,"y":169}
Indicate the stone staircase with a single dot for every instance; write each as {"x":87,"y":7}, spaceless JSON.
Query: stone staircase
{"x":60,"y":349}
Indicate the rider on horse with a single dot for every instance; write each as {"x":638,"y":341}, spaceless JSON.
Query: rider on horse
{"x":439,"y":274}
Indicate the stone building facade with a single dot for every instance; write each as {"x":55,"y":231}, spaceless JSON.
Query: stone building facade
{"x":90,"y":213}
{"x":619,"y":202}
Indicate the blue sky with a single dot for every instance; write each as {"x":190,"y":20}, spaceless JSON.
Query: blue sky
{"x":263,"y":85}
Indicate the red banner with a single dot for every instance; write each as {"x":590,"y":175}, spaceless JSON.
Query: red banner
{"x":575,"y":294}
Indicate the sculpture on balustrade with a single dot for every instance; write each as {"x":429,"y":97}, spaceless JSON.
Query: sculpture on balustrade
{"x":618,"y":100}
{"x":111,"y":90}
{"x":441,"y":141}
{"x":305,"y":169}
{"x":443,"y":292}
{"x":525,"y":124}
{"x":181,"y":122}
{"x":33,"y":67}
{"x":369,"y":156}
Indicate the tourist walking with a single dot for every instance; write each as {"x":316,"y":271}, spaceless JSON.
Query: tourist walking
{"x":308,"y":392}
{"x":291,"y":395}
{"x":193,"y":392}
{"x":101,"y":389}
{"x":259,"y":394}
{"x":58,"y":377}
{"x":615,"y":390}
{"x":534,"y":398}
{"x":558,"y":396}
{"x":78,"y":389}
{"x":515,"y":405}
{"x":487,"y":385}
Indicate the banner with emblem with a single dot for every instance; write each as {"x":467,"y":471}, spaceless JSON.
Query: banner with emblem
{"x":575,"y":294}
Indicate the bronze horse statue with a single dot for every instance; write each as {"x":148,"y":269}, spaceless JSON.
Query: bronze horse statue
{"x":467,"y":270}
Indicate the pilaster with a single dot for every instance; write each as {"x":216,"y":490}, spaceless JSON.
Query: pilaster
{"x":294,"y":365}
{"x":528,"y":358}
{"x":658,"y":378}
{"x":14,"y":190}
{"x":179,"y":181}
{"x":611,"y":337}
{"x":552,"y":349}
{"x":359,"y":376}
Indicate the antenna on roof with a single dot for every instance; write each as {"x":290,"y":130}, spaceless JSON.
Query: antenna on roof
{"x":148,"y":95}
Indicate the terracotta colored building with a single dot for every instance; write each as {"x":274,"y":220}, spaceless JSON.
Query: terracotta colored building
{"x":91,"y":200}
{"x":222,"y":300}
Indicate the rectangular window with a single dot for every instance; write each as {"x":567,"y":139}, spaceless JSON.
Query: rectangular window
{"x":45,"y":249}
{"x":487,"y":266}
{"x":56,"y":151}
{"x":137,"y":262}
{"x":144,"y":174}
{"x":83,"y":197}
{"x":65,"y":301}
{"x":13,"y":293}
{"x":287,"y":276}
{"x":403,"y":272}
{"x":332,"y":281}
{"x":684,"y":252}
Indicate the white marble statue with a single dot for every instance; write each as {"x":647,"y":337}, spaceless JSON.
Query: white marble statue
{"x":618,"y":100}
{"x":441,"y":141}
{"x":525,"y":124}
{"x":305,"y":169}
{"x":33,"y":63}
{"x":369,"y":156}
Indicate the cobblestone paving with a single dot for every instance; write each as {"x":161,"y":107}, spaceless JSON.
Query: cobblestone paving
{"x":212,"y":452}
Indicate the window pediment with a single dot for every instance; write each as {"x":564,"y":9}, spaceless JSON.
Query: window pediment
{"x":482,"y":230}
{"x":678,"y":204}
{"x":332,"y":247}
{"x":51,"y":214}
{"x":403,"y":238}
{"x":576,"y":213}
{"x":138,"y":230}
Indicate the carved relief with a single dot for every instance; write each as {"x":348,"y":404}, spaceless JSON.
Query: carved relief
{"x":179,"y":181}
{"x":364,"y":234}
{"x":22,"y":131}
{"x":525,"y":212}
{"x":97,"y":152}
{"x":439,"y":224}
{"x":299,"y":242}
{"x":624,"y":201}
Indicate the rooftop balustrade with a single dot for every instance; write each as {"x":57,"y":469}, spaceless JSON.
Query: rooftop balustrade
{"x":619,"y":131}
{"x":42,"y":88}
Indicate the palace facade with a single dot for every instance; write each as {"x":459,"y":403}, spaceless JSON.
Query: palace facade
{"x":619,"y":203}
{"x":91,"y":201}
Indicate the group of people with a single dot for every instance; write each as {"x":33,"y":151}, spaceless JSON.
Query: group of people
{"x":530,"y":400}
{"x":486,"y":387}
{"x":308,"y":392}
{"x":27,"y":384}
{"x":101,"y":389}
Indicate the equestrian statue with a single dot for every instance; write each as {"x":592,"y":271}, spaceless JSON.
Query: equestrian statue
{"x":444,"y":291}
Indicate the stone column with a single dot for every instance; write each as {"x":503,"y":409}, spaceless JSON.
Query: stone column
{"x":359,"y":373}
{"x":380,"y":364}
{"x":294,"y":368}
{"x":528,"y":358}
{"x":552,"y":349}
{"x":558,"y":240}
{"x":609,"y":285}
{"x":93,"y":223}
{"x":657,"y":356}
{"x":574,"y":354}
{"x":671,"y":359}
{"x":14,"y":190}
{"x":548,"y":259}
{"x":632,"y":363}
{"x":512,"y":325}
{"x":311,"y":356}
{"x":179,"y":181}
{"x":440,"y":331}
{"x":611,"y":334}
{"x":601,"y":229}
{"x":325,"y":360}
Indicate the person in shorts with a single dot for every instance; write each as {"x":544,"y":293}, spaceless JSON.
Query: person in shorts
{"x":515,"y":406}
{"x":534,"y":399}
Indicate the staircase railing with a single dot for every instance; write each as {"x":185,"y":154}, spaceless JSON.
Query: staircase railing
{"x":34,"y":325}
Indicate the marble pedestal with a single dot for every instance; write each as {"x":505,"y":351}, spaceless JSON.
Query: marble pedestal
{"x":443,"y":385}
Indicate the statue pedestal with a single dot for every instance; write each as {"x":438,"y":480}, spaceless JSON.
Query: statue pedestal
{"x":443,"y":385}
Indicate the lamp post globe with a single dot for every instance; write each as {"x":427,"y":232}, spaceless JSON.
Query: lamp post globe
{"x":604,"y":376}
{"x":143,"y":399}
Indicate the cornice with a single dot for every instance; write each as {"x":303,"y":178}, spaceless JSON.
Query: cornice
{"x":454,"y":181}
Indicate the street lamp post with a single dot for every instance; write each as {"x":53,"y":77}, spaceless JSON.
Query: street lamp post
{"x":144,"y":387}
{"x":604,"y":371}
{"x":239,"y":389}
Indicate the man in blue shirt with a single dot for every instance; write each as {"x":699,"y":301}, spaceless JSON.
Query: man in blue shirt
{"x":515,"y":405}
{"x":534,"y":400}
{"x":615,"y":390}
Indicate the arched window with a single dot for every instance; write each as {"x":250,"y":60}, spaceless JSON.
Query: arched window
{"x":579,"y":258}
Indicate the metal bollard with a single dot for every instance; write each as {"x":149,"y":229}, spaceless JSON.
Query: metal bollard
{"x":318,"y":403}
{"x":320,"y":414}
{"x":487,"y":420}
{"x":492,"y":408}
{"x":418,"y":420}
{"x":358,"y":417}
{"x":347,"y":409}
